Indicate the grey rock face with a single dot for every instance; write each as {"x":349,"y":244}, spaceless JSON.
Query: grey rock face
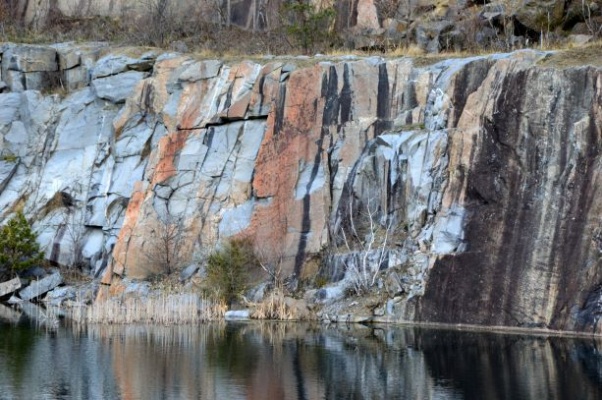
{"x":116,"y":88}
{"x":188,"y":272}
{"x":30,"y":59}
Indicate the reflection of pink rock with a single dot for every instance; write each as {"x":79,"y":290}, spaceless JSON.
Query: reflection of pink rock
{"x":367,"y":17}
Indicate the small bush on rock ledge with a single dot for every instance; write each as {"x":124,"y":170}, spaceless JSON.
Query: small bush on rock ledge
{"x":227,"y":270}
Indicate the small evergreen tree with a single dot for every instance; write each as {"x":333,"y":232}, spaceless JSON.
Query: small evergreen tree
{"x":227,"y":270}
{"x":18,"y":247}
{"x":308,"y":25}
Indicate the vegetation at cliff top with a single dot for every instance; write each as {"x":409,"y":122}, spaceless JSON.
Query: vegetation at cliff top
{"x":301,"y":27}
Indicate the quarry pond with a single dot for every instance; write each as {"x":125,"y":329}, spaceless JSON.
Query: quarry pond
{"x":291,"y":361}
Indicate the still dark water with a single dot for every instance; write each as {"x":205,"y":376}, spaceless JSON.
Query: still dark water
{"x":291,"y":361}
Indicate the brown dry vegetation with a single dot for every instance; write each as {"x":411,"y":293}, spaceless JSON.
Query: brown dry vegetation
{"x":574,"y":57}
{"x":163,"y":309}
{"x":208,"y":32}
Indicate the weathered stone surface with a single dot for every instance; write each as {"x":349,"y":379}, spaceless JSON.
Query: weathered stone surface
{"x":38,"y":288}
{"x":111,"y":65}
{"x":59,"y":295}
{"x":7,"y":170}
{"x":76,"y":78}
{"x":10,"y":286}
{"x":114,"y":64}
{"x":43,"y":81}
{"x":198,"y":71}
{"x":188,"y":272}
{"x":69,"y":55}
{"x":116,"y":88}
{"x":532,"y":225}
{"x":15,"y":80}
{"x":26,"y":58}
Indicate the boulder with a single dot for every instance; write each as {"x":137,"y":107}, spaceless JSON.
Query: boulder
{"x":111,"y":65}
{"x":43,"y":286}
{"x":69,"y":59}
{"x":539,"y":15}
{"x":58,"y":295}
{"x":116,"y":88}
{"x":76,"y":78}
{"x":10,"y":286}
{"x":26,"y":58}
{"x":114,"y":64}
{"x":428,"y":34}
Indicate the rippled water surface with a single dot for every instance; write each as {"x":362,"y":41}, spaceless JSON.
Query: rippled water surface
{"x":291,"y":361}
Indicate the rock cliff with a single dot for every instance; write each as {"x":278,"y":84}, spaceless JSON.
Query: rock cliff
{"x":465,"y":188}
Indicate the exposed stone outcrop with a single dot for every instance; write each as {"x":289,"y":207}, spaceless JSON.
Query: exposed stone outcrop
{"x":466,"y":188}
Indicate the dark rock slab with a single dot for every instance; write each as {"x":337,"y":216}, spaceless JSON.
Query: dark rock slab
{"x":38,"y":288}
{"x":9,"y":287}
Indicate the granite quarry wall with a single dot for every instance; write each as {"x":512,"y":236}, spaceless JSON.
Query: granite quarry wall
{"x":478,"y":176}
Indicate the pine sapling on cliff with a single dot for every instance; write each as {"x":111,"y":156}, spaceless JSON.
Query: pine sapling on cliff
{"x":18,"y":247}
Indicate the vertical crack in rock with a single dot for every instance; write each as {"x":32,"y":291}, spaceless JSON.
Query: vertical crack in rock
{"x":383,"y":101}
{"x":330,"y":117}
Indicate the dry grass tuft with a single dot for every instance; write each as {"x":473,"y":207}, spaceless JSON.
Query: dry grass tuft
{"x":274,"y":307}
{"x":163,"y":309}
{"x":590,"y":54}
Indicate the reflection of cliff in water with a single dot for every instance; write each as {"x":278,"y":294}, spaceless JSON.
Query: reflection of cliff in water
{"x":298,"y":361}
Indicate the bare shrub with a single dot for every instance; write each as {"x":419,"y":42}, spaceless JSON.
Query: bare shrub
{"x":593,"y":26}
{"x":366,"y":234}
{"x":158,"y":22}
{"x":165,"y":242}
{"x":270,"y":260}
{"x":11,"y":23}
{"x":74,"y":232}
